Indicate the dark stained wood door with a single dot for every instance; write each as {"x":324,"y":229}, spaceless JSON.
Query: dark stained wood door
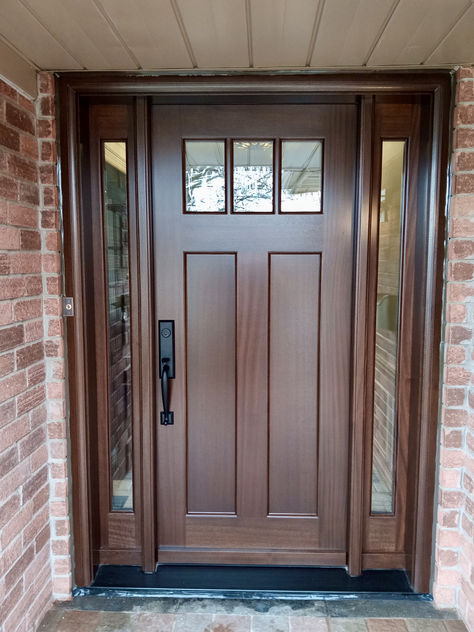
{"x":255,"y":467}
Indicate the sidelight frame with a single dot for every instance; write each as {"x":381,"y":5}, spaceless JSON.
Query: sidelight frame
{"x":363,"y":86}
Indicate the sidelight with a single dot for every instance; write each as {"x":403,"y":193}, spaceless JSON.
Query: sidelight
{"x":116,"y":237}
{"x":385,"y":413}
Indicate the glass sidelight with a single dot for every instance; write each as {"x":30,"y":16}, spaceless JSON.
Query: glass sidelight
{"x":390,"y":226}
{"x":116,"y":237}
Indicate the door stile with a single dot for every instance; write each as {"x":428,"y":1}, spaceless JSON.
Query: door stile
{"x":145,"y":361}
{"x":359,"y":356}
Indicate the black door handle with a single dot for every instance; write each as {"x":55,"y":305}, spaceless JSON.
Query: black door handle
{"x":166,"y":417}
{"x":166,"y":369}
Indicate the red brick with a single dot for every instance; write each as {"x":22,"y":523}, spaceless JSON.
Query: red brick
{"x":465,"y":72}
{"x":29,"y":146}
{"x":7,"y":364}
{"x":7,"y":91}
{"x":53,"y":285}
{"x":30,"y":240}
{"x":34,"y":330}
{"x":29,"y":355}
{"x":464,"y":161}
{"x":21,"y":168}
{"x":464,"y":115}
{"x":7,"y":413}
{"x":43,"y":538}
{"x":29,"y":193}
{"x":8,"y":188}
{"x":455,"y":313}
{"x":452,"y":438}
{"x":54,"y":348}
{"x":52,"y":263}
{"x":38,"y":416}
{"x":19,"y":118}
{"x":47,"y":106}
{"x":460,"y":249}
{"x":4,"y":264}
{"x":11,"y":337}
{"x":48,"y":151}
{"x":12,"y":385}
{"x":25,"y":263}
{"x":35,"y":483}
{"x":36,"y":374}
{"x":50,"y":219}
{"x":50,"y":196}
{"x":456,"y":334}
{"x":454,"y":417}
{"x":46,"y":129}
{"x":55,"y":327}
{"x":453,"y":396}
{"x":9,"y":137}
{"x":9,"y":238}
{"x":32,"y":398}
{"x":53,"y":241}
{"x":26,"y":103}
{"x":464,"y":137}
{"x":458,"y":292}
{"x":455,"y":354}
{"x":461,"y":271}
{"x":13,"y":432}
{"x":8,"y":460}
{"x":8,"y":509}
{"x":26,"y":310}
{"x":19,"y":568}
{"x":461,"y":206}
{"x":52,"y":306}
{"x":48,"y":174}
{"x":33,"y":285}
{"x":13,"y":287}
{"x":464,"y":183}
{"x":46,"y":83}
{"x":32,"y":442}
{"x":6,"y":313}
{"x":23,"y":216}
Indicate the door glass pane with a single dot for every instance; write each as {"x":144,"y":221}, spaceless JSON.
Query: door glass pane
{"x":118,"y":300}
{"x":205,"y":176}
{"x":301,"y":167}
{"x":386,"y":332}
{"x":253,"y":176}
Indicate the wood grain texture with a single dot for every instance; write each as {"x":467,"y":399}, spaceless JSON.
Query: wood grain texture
{"x":210,"y":290}
{"x":205,"y":467}
{"x":293,"y":373}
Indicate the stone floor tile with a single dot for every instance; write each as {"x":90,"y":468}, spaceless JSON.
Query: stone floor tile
{"x":425,"y":625}
{"x":230,"y":623}
{"x":384,"y":608}
{"x":50,"y":620}
{"x":308,"y":624}
{"x":386,"y":625}
{"x":192,"y":622}
{"x":455,"y":625}
{"x":152,"y":622}
{"x":74,"y":620}
{"x":347,"y":625}
{"x":269,"y":623}
{"x":114,"y":622}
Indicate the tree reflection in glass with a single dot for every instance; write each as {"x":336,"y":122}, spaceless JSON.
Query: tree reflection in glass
{"x":205,"y":176}
{"x":253,"y":176}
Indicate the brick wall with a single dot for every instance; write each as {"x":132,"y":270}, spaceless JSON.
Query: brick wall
{"x":34,"y":526}
{"x":454,"y":564}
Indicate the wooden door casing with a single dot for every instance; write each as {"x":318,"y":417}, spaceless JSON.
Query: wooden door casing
{"x":255,"y":468}
{"x":75,"y":99}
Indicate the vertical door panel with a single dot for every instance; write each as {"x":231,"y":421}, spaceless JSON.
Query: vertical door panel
{"x":294,"y":383}
{"x":211,"y":382}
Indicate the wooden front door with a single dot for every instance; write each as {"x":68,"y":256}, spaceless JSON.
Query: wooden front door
{"x":253,"y":261}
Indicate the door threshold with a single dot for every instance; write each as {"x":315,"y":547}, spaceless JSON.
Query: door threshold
{"x":249,"y":582}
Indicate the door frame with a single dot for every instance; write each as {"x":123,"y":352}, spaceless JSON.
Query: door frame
{"x":71,"y":88}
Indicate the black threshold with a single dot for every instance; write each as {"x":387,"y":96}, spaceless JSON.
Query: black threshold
{"x":213,"y":579}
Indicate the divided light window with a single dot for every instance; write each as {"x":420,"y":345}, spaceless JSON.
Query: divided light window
{"x":253,"y":176}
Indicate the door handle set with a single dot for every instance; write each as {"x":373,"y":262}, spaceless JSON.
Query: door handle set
{"x":167,"y":370}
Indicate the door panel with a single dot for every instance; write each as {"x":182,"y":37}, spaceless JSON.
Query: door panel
{"x":255,"y":466}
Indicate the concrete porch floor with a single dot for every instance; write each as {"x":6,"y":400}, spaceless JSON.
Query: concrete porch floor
{"x":133,"y":614}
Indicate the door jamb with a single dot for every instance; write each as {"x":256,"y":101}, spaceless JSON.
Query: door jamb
{"x":71,"y":86}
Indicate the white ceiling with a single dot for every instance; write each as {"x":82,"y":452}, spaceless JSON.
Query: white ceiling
{"x":177,"y":35}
